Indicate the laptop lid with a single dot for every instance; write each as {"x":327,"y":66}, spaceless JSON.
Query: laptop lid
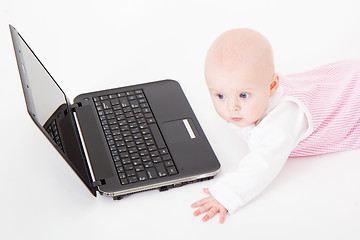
{"x":50,"y":109}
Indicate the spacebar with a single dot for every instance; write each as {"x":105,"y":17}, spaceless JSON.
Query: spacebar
{"x":157,"y":136}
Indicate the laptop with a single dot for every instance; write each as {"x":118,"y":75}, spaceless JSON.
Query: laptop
{"x":118,"y":141}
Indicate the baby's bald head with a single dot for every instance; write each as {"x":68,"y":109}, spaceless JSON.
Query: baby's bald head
{"x":240,"y":50}
{"x":240,"y":75}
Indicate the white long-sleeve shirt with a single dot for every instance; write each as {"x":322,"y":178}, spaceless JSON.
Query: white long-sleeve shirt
{"x":284,"y":125}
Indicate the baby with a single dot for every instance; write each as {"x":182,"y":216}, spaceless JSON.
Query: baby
{"x":304,"y":114}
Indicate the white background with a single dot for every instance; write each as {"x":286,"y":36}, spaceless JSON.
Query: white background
{"x":92,"y":45}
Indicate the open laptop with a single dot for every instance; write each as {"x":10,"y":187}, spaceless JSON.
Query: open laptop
{"x":118,"y":141}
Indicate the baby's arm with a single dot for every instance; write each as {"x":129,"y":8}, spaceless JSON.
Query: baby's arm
{"x":270,"y":145}
{"x":210,"y":206}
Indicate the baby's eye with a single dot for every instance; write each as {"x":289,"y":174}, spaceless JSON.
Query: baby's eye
{"x":244,"y":95}
{"x":221,"y":96}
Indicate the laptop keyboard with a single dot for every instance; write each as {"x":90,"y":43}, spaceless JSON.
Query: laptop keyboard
{"x":53,"y":131}
{"x":133,"y":137}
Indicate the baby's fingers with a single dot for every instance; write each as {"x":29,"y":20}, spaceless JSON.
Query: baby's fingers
{"x":223,"y":213}
{"x":202,"y":209}
{"x":210,"y":214}
{"x":206,"y":190}
{"x":200,"y":203}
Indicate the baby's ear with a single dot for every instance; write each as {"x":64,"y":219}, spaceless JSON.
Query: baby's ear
{"x":274,"y":84}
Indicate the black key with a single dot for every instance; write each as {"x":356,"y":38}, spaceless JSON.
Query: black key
{"x":144,"y":105}
{"x":128,"y":167}
{"x":151,"y":172}
{"x":111,"y":121}
{"x":145,"y":131}
{"x":148,"y":164}
{"x":137,"y":110}
{"x":152,"y":148}
{"x":145,"y":159}
{"x":130,"y":144}
{"x":142,"y":176}
{"x":130,"y":173}
{"x":148,"y":115}
{"x":131,"y":97}
{"x":128,"y":138}
{"x":169,"y":163}
{"x":108,"y":111}
{"x":132,"y":179}
{"x":146,"y":110}
{"x":118,"y":142}
{"x":122,"y":149}
{"x":156,"y":159}
{"x":157,"y":136}
{"x":122,"y":175}
{"x":114,"y":101}
{"x":124,"y":128}
{"x":166,"y":157}
{"x":116,"y":133}
{"x":124,"y":155}
{"x":126,"y":160}
{"x":136,"y":135}
{"x":134,"y":104}
{"x":142,"y":125}
{"x":124,"y":102}
{"x":114,"y":127}
{"x":139,"y":168}
{"x":106,"y":104}
{"x":141,"y":120}
{"x":161,"y":169}
{"x":124,"y":181}
{"x":141,"y":146}
{"x":172,"y":170}
{"x":110,"y":116}
{"x":126,"y":109}
{"x":143,"y":153}
{"x":163,"y":151}
{"x":135,"y":155}
{"x":147,"y":137}
{"x":149,"y":142}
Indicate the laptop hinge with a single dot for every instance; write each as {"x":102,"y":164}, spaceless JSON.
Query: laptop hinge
{"x":99,"y":183}
{"x":74,"y":106}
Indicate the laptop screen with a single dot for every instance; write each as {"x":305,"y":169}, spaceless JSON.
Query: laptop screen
{"x":49,"y":108}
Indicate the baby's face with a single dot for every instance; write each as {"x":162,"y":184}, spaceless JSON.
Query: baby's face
{"x":239,"y":97}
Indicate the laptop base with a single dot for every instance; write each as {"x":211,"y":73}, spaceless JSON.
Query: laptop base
{"x":166,"y":188}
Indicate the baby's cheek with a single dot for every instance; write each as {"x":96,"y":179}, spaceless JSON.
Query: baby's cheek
{"x":220,"y":112}
{"x":258,"y":111}
{"x":250,"y":112}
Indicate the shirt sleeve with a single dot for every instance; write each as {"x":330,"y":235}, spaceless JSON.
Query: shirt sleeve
{"x":270,"y":145}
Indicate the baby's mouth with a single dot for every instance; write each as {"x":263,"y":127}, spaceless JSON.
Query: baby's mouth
{"x":236,"y":119}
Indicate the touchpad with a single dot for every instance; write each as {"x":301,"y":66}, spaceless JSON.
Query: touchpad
{"x":182,"y":130}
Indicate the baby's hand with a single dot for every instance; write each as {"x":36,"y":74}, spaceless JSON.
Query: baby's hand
{"x":211,"y":206}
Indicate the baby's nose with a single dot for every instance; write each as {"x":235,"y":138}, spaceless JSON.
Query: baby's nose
{"x":234,"y":106}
